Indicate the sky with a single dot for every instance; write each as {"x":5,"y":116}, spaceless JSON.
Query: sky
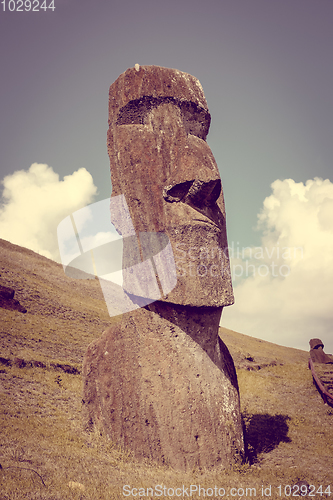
{"x":265,"y":67}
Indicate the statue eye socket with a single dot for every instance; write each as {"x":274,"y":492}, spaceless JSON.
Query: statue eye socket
{"x":177,"y":192}
{"x":197,"y":192}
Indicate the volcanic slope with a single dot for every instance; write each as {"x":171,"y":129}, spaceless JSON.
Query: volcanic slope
{"x":44,"y":452}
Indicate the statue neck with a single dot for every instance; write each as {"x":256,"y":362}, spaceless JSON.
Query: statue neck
{"x":200,"y":323}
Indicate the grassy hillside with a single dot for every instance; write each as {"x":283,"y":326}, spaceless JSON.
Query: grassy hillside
{"x":45,"y":455}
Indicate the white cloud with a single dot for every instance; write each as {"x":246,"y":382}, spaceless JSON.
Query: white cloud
{"x":35,"y":201}
{"x":286,"y":296}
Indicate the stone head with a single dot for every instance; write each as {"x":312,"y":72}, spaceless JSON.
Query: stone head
{"x":160,"y":161}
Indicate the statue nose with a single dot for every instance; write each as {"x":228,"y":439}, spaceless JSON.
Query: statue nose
{"x":196,"y":192}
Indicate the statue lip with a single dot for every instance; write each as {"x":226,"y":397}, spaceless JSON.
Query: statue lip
{"x":209,"y":222}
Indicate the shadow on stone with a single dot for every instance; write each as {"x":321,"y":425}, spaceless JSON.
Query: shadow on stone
{"x":263,"y":433}
{"x":194,"y":327}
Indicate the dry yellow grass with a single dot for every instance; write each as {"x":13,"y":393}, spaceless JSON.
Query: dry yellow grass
{"x":43,"y":450}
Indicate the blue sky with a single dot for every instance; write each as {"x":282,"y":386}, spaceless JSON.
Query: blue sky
{"x":265,"y":67}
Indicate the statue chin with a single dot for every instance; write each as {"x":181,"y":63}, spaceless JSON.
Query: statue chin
{"x":202,"y":266}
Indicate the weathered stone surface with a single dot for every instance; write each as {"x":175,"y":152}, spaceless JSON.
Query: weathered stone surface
{"x":6,"y":292}
{"x":160,"y":381}
{"x":7,"y":300}
{"x":149,"y":383}
{"x":162,"y":164}
{"x":315,"y":343}
{"x":317,"y":352}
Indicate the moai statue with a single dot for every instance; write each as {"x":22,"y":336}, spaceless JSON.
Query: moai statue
{"x":161,"y":382}
{"x":317,"y":353}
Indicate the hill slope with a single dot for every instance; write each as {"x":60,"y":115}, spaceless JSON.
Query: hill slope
{"x":288,"y":428}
